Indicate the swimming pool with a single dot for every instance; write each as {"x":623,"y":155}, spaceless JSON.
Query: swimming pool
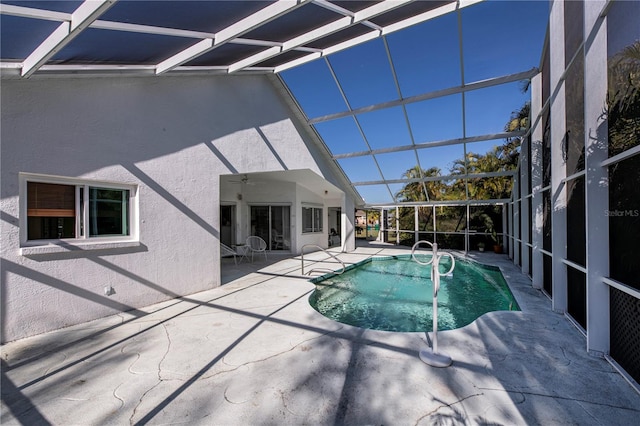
{"x":396,"y":294}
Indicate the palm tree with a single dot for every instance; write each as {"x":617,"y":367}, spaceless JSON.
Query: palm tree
{"x":501,"y":158}
{"x":623,"y":99}
{"x":483,"y":188}
{"x":510,"y":150}
{"x":519,"y":119}
{"x":414,"y":191}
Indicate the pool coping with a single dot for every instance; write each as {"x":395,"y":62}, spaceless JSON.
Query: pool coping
{"x":329,"y":275}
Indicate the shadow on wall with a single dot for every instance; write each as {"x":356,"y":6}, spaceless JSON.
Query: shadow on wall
{"x":121,"y":124}
{"x":137,"y":119}
{"x":92,"y":294}
{"x":23,"y":271}
{"x":158,"y":189}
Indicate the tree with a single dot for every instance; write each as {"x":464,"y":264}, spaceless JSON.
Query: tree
{"x":501,"y":158}
{"x":413,"y":191}
{"x":623,"y":99}
{"x":495,"y":187}
{"x":510,"y":149}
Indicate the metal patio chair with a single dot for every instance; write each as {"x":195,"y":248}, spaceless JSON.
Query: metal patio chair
{"x":257,"y":245}
{"x":226,"y":251}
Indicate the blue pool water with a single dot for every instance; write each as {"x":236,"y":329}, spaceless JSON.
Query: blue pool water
{"x":396,"y":294}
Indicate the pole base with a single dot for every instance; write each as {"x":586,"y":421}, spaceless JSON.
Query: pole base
{"x":434,"y":359}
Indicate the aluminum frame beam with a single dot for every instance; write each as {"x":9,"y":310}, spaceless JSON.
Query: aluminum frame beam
{"x":86,"y":17}
{"x":235,"y":30}
{"x":81,"y":18}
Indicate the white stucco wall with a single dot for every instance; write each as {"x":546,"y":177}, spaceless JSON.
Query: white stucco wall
{"x":171,"y":136}
{"x":304,"y":197}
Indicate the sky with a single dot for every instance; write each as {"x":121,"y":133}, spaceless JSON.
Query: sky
{"x":498,"y":38}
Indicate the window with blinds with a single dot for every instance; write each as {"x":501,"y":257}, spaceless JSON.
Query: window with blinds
{"x":76,"y":210}
{"x":51,"y":211}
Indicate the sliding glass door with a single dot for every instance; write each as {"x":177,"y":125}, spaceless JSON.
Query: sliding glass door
{"x":272,"y":224}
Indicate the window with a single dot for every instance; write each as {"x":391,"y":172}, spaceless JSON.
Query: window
{"x":62,"y":208}
{"x":51,"y":211}
{"x":108,"y":212}
{"x":311,"y":219}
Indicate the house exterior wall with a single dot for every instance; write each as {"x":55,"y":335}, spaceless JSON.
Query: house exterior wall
{"x":304,"y":197}
{"x":171,"y":137}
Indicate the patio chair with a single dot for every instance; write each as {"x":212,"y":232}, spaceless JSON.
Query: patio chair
{"x":257,"y":245}
{"x":278,"y":240}
{"x":226,"y":251}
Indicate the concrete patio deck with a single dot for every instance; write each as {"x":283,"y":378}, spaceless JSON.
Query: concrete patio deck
{"x":253,"y":352}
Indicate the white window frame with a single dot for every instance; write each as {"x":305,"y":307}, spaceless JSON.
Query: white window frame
{"x":81,"y":242}
{"x":314,"y":228}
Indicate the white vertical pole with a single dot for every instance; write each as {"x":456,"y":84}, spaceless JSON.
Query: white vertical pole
{"x":524,"y":206}
{"x":347,"y":224}
{"x":558,"y":166}
{"x":397,"y":225}
{"x":433,"y":216}
{"x":597,"y":193}
{"x":517,"y":234}
{"x":416,"y":228}
{"x":435,"y":278}
{"x":511,"y":233}
{"x":466,"y":232}
{"x":432,"y":357}
{"x":536,"y":181}
{"x":505,"y":210}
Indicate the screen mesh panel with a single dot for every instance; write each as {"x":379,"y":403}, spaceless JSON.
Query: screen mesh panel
{"x":573,"y":28}
{"x":624,"y":221}
{"x":625,"y":331}
{"x":623,"y":100}
{"x":573,"y":142}
{"x":546,"y":149}
{"x":576,"y":221}
{"x":577,"y":296}
{"x":546,"y":220}
{"x":547,"y":274}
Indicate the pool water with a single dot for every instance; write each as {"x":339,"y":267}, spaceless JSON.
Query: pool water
{"x":396,"y":294}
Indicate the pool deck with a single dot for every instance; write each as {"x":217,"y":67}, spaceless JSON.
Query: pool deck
{"x":253,"y":352}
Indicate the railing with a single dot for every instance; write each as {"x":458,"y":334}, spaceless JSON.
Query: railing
{"x":433,"y":358}
{"x":321,"y":269}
